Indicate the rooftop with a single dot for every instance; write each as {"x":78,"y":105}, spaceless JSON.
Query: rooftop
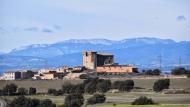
{"x":107,"y":54}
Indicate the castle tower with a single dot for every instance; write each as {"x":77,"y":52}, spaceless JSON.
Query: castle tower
{"x":90,"y":59}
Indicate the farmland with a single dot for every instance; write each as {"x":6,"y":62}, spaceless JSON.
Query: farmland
{"x":143,"y":87}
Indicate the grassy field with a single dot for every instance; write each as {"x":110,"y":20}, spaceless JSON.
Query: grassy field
{"x":121,"y":99}
{"x":125,"y":105}
{"x":124,"y":98}
{"x":43,"y":85}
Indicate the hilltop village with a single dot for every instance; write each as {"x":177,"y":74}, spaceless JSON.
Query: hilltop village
{"x":94,"y":63}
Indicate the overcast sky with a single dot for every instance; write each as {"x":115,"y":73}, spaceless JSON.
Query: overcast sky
{"x":25,"y":22}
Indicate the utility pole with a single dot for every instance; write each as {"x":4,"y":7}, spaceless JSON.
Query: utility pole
{"x":160,"y":61}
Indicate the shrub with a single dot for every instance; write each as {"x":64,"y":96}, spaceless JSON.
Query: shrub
{"x":32,"y":90}
{"x":46,"y":103}
{"x":22,"y":101}
{"x":10,"y":89}
{"x":126,"y":85}
{"x":152,"y":72}
{"x":1,"y":92}
{"x":74,"y":100}
{"x":55,"y":92}
{"x":90,"y":87}
{"x":161,"y":84}
{"x":97,"y":98}
{"x":143,"y":101}
{"x":67,"y":87}
{"x":103,"y":86}
{"x":180,"y":71}
{"x":22,"y":91}
{"x":83,"y":76}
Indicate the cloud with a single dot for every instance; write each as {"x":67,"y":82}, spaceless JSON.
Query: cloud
{"x":47,"y":30}
{"x":181,"y":18}
{"x":57,"y":27}
{"x":32,"y":29}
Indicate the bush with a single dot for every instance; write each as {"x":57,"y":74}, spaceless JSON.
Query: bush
{"x":97,"y":98}
{"x":10,"y":89}
{"x":90,"y":87}
{"x":1,"y":92}
{"x":32,"y":90}
{"x":74,"y":100}
{"x":143,"y":101}
{"x":83,"y":76}
{"x":180,"y":71}
{"x":152,"y":72}
{"x":22,"y":101}
{"x":103,"y":86}
{"x":161,"y":84}
{"x":126,"y":85}
{"x":46,"y":103}
{"x":22,"y":91}
{"x":55,"y":92}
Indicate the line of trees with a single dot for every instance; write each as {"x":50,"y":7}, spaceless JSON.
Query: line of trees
{"x":180,"y":71}
{"x":152,"y":72}
{"x":22,"y":101}
{"x":91,"y":86}
{"x":12,"y":89}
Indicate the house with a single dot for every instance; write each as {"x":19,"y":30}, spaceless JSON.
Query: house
{"x":116,"y":69}
{"x":11,"y":75}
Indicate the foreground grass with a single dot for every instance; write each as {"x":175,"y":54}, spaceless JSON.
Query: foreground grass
{"x":126,"y":105}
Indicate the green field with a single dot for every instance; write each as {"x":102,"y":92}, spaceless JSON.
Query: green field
{"x":120,"y":99}
{"x":43,"y":85}
{"x":124,"y":98}
{"x":125,"y":105}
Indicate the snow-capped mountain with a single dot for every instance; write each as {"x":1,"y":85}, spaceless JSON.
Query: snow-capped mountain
{"x":139,"y":51}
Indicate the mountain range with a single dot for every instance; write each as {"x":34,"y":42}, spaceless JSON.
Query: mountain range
{"x":142,"y":52}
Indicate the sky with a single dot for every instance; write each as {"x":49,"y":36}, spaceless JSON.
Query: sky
{"x":26,"y":22}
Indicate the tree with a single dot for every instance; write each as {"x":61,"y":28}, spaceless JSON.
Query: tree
{"x":152,"y":72}
{"x":55,"y":92}
{"x":180,"y":71}
{"x":29,"y":74}
{"x":74,"y":100}
{"x":161,"y":84}
{"x":83,"y":76}
{"x":10,"y":89}
{"x":143,"y":101}
{"x":32,"y":90}
{"x":126,"y":85}
{"x":46,"y":103}
{"x":67,"y":87}
{"x":96,"y":98}
{"x":1,"y":92}
{"x":22,"y":91}
{"x":22,"y":101}
{"x":103,"y":86}
{"x":90,"y":87}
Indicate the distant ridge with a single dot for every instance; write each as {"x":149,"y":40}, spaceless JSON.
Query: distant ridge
{"x":139,"y":51}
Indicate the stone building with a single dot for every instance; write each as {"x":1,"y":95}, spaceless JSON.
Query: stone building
{"x":92,"y":59}
{"x":104,"y":62}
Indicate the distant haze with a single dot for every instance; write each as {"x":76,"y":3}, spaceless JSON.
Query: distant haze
{"x":26,"y":22}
